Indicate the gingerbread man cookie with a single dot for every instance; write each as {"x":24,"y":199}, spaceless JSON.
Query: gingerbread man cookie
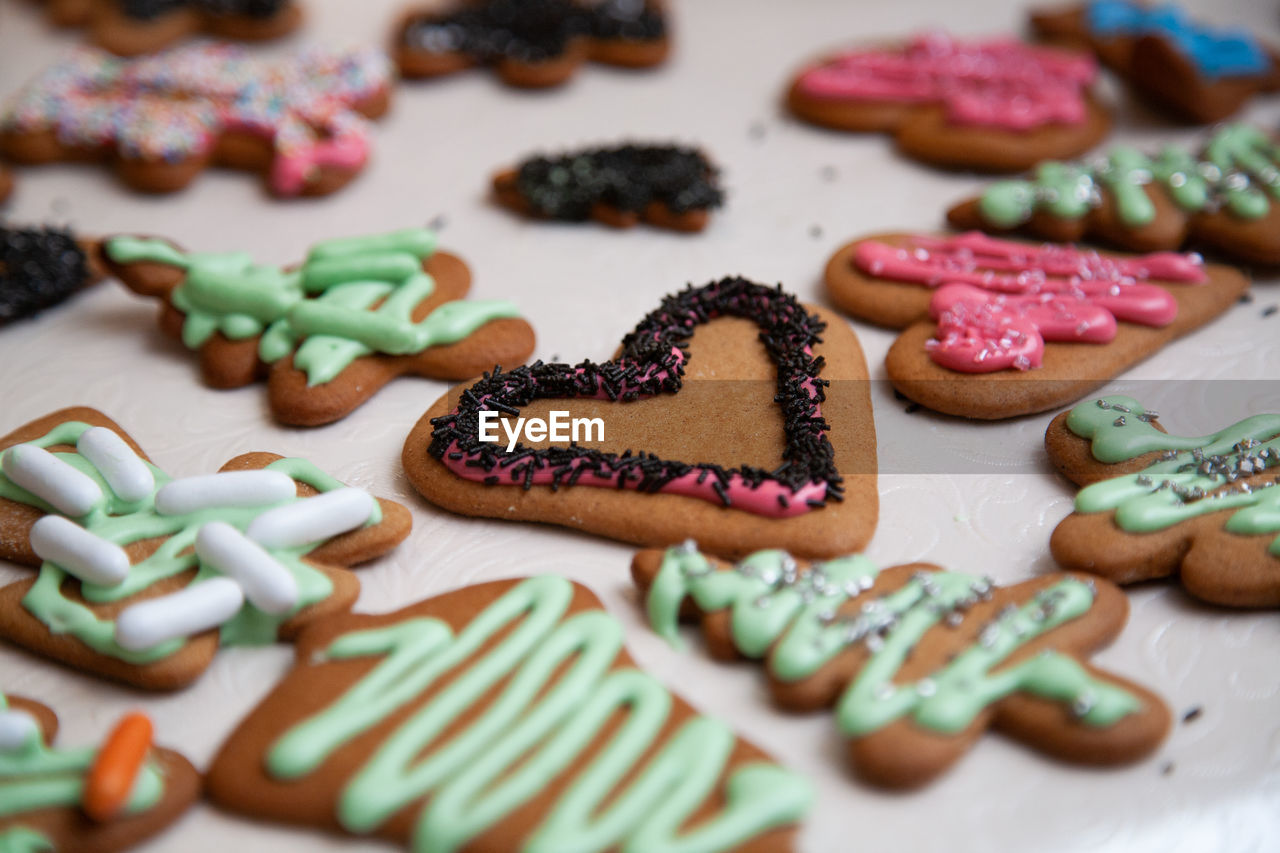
{"x":300,"y":120}
{"x":40,"y":267}
{"x":531,"y":43}
{"x":996,"y":329}
{"x":359,"y":312}
{"x":998,"y":106}
{"x":1198,"y":72}
{"x":1154,"y":505}
{"x":133,"y":27}
{"x":918,"y":662}
{"x":732,"y":412}
{"x":501,"y":717}
{"x":1226,"y":199}
{"x":141,"y":577}
{"x":94,"y":800}
{"x":663,"y":185}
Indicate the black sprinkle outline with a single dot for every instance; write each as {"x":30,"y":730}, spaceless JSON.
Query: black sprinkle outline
{"x":786,"y":330}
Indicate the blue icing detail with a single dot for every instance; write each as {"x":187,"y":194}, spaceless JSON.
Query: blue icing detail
{"x":1215,"y":52}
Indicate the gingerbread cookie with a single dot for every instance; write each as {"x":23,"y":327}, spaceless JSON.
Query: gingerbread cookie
{"x":995,"y":328}
{"x":133,"y":27}
{"x":501,"y":717}
{"x":40,"y":267}
{"x":6,"y":183}
{"x":664,"y":185}
{"x":1198,"y":72}
{"x":1227,"y":199}
{"x":997,"y":106}
{"x":300,"y":120}
{"x":88,"y":800}
{"x":359,"y":312}
{"x":531,"y":43}
{"x":1155,"y":505}
{"x":917,"y":661}
{"x":142,"y":577}
{"x":728,"y":413}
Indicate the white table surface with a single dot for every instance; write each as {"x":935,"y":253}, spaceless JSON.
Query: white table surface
{"x":1215,"y":783}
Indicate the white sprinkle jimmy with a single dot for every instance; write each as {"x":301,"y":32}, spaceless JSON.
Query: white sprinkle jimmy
{"x":44,"y":475}
{"x":267,"y":583}
{"x":85,"y":555}
{"x":229,"y":488}
{"x":126,"y":474}
{"x":16,"y":729}
{"x":313,"y":519}
{"x":196,"y":608}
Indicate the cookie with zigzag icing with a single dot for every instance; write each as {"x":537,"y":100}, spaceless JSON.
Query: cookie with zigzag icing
{"x":93,"y":799}
{"x":1153,"y":504}
{"x":142,"y":577}
{"x":916,"y":661}
{"x":328,"y":334}
{"x":497,"y":718}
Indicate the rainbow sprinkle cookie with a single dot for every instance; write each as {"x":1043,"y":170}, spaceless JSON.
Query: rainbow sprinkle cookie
{"x":300,"y":119}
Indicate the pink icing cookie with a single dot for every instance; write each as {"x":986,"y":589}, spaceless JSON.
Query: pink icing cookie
{"x":301,"y":119}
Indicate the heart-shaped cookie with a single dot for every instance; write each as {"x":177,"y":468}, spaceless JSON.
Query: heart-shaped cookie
{"x":788,"y":462}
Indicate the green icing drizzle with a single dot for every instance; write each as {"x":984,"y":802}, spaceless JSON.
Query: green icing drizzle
{"x":35,"y":776}
{"x":324,"y":311}
{"x":1240,"y":170}
{"x":1196,"y":475}
{"x":794,"y":618}
{"x":124,"y":522}
{"x":21,"y":839}
{"x":558,"y":690}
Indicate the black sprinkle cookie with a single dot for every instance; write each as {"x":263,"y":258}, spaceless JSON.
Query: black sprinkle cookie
{"x":531,"y":43}
{"x":665,"y":185}
{"x":733,"y":412}
{"x":134,"y":27}
{"x":40,"y":267}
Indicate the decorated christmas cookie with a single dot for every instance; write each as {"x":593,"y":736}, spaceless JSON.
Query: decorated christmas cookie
{"x":917,"y":661}
{"x":142,"y":577}
{"x":357,"y":313}
{"x":41,"y":267}
{"x":664,"y":185}
{"x":999,"y":106}
{"x":1226,"y":199}
{"x":531,"y":43}
{"x":1202,"y":72}
{"x":87,"y":799}
{"x":996,"y":329}
{"x":1152,"y":505}
{"x":301,"y":120}
{"x":499,"y":718}
{"x":132,"y":27}
{"x":732,"y":412}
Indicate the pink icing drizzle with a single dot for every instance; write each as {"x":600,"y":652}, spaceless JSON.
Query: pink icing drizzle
{"x":1000,"y":83}
{"x":767,"y":498}
{"x":999,"y":301}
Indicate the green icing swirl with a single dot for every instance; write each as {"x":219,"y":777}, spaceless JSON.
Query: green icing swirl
{"x":1240,"y":170}
{"x":794,"y":619}
{"x":352,"y":297}
{"x":22,"y":839}
{"x":1195,"y":476}
{"x":35,"y":776}
{"x":124,"y":522}
{"x":558,"y":689}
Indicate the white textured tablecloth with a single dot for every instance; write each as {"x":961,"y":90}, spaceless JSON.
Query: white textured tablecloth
{"x":795,"y":194}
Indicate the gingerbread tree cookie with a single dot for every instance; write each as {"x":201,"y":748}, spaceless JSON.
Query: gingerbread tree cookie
{"x":917,"y":661}
{"x":300,"y":120}
{"x":359,"y":312}
{"x":1153,"y":505}
{"x":501,"y":717}
{"x":142,"y":577}
{"x":93,"y":799}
